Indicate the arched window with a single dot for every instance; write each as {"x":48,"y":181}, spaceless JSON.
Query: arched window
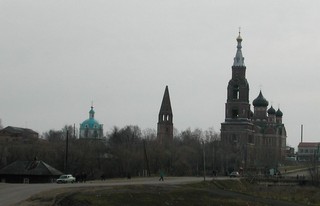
{"x":235,"y":94}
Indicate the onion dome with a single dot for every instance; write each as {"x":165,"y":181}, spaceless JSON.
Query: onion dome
{"x":271,"y":111}
{"x":260,"y":101}
{"x":279,"y":113}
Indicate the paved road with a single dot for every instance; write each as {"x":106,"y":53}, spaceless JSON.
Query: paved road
{"x":11,"y":194}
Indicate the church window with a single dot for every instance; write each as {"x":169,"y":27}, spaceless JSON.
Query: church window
{"x":235,"y":94}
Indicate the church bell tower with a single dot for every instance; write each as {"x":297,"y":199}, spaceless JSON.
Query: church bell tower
{"x":237,"y":106}
{"x":237,"y":130}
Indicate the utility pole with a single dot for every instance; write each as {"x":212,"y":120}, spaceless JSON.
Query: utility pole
{"x":301,"y":135}
{"x":67,"y":146}
{"x":204,"y":162}
{"x":146,"y":158}
{"x":74,"y":131}
{"x":317,"y":163}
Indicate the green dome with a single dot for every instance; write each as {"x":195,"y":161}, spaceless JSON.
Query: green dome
{"x":279,"y":113}
{"x":260,"y":101}
{"x":271,"y":110}
{"x":91,"y":122}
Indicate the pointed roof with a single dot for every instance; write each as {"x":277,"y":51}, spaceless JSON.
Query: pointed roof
{"x":260,"y":101}
{"x":271,"y":110}
{"x":166,"y":104}
{"x":239,"y":59}
{"x":279,"y":113}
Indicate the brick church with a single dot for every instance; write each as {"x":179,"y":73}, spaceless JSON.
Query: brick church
{"x":250,"y":140}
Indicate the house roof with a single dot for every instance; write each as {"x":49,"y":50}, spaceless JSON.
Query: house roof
{"x":309,"y":144}
{"x":29,"y":168}
{"x":17,"y":130}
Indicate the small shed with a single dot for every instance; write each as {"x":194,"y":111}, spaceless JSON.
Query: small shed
{"x":29,"y":172}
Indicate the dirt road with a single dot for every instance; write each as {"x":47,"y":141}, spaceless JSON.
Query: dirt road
{"x":11,"y":194}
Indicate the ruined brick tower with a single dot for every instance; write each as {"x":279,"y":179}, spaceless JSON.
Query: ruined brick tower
{"x":165,"y":118}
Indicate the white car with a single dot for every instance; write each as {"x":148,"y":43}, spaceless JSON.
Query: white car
{"x":66,"y":179}
{"x":234,"y":174}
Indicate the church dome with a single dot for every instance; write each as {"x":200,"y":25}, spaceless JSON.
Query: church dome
{"x":260,"y":101}
{"x":90,"y":123}
{"x":271,"y":111}
{"x":279,"y":113}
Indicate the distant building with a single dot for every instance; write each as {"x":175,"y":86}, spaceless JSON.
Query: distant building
{"x":165,"y":120}
{"x":29,"y":172}
{"x":10,"y":134}
{"x":250,"y":139}
{"x":290,"y":155}
{"x":91,"y":128}
{"x":308,"y":151}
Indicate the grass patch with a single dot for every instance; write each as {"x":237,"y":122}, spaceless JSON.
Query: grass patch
{"x":217,"y":192}
{"x":157,"y":196}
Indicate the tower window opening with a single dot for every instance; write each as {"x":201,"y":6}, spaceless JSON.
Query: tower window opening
{"x":235,"y":113}
{"x":168,"y":117}
{"x":235,"y":92}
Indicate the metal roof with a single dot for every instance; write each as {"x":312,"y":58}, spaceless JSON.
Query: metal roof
{"x":29,"y":168}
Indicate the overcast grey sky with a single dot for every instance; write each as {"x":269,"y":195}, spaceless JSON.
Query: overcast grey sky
{"x":56,"y":56}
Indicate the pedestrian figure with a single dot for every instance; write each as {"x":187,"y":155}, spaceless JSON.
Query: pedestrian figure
{"x":161,"y":176}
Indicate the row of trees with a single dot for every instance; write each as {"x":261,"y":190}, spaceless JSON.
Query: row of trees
{"x":126,"y":151}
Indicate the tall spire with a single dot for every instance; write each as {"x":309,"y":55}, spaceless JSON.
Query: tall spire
{"x":239,"y":59}
{"x":166,"y":104}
